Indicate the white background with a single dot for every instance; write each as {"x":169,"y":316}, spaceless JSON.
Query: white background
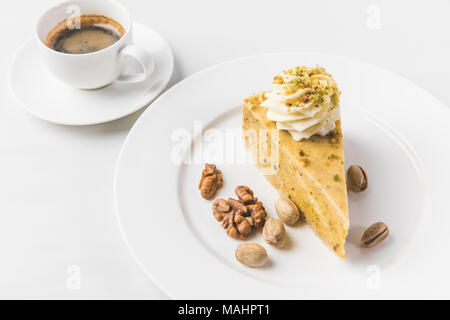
{"x":56,"y":206}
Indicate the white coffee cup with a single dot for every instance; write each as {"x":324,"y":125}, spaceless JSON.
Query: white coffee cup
{"x":96,"y":69}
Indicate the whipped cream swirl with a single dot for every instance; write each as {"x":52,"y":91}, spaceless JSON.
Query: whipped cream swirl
{"x":303,"y":101}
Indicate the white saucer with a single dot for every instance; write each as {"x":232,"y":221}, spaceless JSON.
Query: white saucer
{"x":45,"y":97}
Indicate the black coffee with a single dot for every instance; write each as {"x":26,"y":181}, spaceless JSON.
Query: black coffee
{"x":93,"y":34}
{"x":84,"y":40}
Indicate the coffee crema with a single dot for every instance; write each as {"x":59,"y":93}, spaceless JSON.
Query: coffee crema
{"x":95,"y":33}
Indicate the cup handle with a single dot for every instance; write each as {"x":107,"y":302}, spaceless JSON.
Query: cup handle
{"x":144,"y":59}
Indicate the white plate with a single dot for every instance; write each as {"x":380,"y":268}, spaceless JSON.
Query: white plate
{"x":398,"y":132}
{"x":45,"y":97}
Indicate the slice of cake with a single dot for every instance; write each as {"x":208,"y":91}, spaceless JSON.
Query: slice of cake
{"x":294,"y":135}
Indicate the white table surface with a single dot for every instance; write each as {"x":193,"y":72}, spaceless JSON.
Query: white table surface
{"x":56,"y":202}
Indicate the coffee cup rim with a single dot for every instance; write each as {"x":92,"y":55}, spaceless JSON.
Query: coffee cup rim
{"x":117,"y":43}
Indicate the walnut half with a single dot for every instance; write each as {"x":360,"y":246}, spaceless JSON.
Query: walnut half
{"x":258,"y":214}
{"x":239,"y":216}
{"x":232,"y":219}
{"x":210,"y":181}
{"x":254,"y":207}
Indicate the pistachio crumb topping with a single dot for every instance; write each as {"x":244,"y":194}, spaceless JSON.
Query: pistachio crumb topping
{"x":316,"y":86}
{"x":336,"y":177}
{"x":333,"y":137}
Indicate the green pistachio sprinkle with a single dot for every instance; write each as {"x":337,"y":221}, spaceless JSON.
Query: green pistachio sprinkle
{"x":332,"y":156}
